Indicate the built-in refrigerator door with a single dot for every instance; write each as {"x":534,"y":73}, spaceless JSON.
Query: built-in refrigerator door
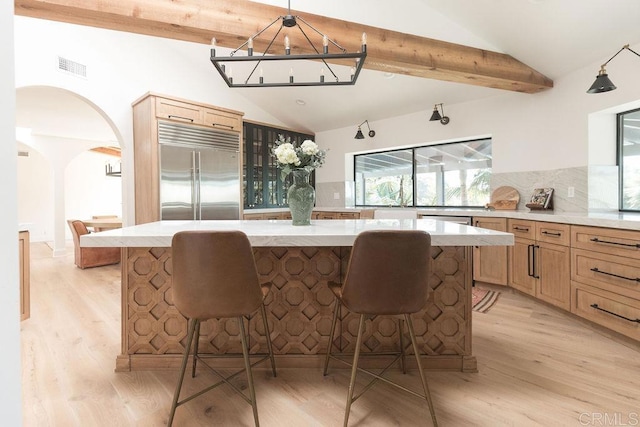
{"x":178,"y":193}
{"x":219,"y":183}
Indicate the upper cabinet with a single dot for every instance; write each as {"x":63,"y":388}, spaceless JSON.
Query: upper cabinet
{"x":197,"y":114}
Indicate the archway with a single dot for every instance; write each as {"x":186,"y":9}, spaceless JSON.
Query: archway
{"x":63,"y":126}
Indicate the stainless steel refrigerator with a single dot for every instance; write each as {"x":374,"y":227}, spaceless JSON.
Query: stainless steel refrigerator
{"x":199,"y":173}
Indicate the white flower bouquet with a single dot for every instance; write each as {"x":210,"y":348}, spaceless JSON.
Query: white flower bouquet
{"x":291,"y":157}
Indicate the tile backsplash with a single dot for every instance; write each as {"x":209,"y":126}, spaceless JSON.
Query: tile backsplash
{"x":595,"y":188}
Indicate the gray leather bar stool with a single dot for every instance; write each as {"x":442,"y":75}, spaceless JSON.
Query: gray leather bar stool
{"x":388,"y":274}
{"x":215,"y":276}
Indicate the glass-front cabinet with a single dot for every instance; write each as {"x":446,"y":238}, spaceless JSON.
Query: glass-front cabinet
{"x":262,"y":185}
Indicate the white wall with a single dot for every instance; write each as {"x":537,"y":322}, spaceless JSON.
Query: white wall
{"x":10,"y":372}
{"x":560,"y":128}
{"x":35,"y":194}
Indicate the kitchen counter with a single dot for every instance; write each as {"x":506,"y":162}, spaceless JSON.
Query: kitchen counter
{"x":622,"y":220}
{"x":608,"y":219}
{"x":298,"y":260}
{"x":281,"y":233}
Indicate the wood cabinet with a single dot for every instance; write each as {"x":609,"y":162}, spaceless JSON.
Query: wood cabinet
{"x":197,"y":114}
{"x":148,"y":112}
{"x":267,"y":215}
{"x":25,"y":275}
{"x":324,"y":214}
{"x":540,"y":260}
{"x":605,"y":278}
{"x":490,"y":262}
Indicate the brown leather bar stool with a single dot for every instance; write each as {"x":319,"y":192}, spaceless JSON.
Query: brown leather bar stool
{"x":215,"y":276}
{"x":388,"y":274}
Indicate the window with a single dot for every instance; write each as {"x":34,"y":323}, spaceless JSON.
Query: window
{"x":452,"y":175}
{"x":629,"y":159}
{"x":262,"y":186}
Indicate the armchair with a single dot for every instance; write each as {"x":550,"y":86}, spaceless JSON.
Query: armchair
{"x":90,"y":257}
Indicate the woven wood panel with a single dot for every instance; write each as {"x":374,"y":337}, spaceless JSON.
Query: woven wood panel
{"x":299,"y":307}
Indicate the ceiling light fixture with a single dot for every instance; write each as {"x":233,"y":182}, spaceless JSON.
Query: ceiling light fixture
{"x":256,"y":77}
{"x":602,"y":83}
{"x":360,"y":135}
{"x":437,"y":116}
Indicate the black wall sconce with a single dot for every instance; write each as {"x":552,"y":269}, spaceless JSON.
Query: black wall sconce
{"x":437,"y":116}
{"x":602,"y":83}
{"x":359,"y":134}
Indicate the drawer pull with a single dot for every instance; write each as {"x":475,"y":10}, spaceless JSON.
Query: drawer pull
{"x":220,"y":124}
{"x":632,"y":245}
{"x":615,"y":314}
{"x":549,"y":233}
{"x":525,"y":229}
{"x":172,"y":116}
{"x":596,"y":270}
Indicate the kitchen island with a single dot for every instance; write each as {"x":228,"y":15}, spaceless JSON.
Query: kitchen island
{"x":298,"y":261}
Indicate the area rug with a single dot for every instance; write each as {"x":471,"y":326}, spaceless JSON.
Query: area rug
{"x":483,"y":299}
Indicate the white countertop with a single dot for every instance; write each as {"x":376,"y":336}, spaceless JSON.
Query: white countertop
{"x":269,"y":233}
{"x":613,"y":219}
{"x":609,"y":219}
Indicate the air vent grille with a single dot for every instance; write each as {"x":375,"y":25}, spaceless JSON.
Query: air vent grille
{"x":23,"y":154}
{"x":173,"y":133}
{"x":72,"y":67}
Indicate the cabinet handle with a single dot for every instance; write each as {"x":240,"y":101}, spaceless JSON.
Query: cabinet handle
{"x":530,"y":261}
{"x":632,"y":245}
{"x":220,"y":124}
{"x":171,"y":116}
{"x":525,"y":229}
{"x":596,"y":270}
{"x":549,"y":233}
{"x":535,"y":261}
{"x":615,"y":314}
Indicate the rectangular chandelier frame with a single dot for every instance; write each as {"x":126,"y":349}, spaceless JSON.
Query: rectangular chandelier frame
{"x":324,"y":56}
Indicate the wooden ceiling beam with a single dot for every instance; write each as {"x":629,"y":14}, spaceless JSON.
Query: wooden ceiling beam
{"x":232,"y":21}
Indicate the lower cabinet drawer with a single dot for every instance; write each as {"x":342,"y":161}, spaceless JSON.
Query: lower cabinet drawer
{"x":608,"y":272}
{"x":613,"y":311}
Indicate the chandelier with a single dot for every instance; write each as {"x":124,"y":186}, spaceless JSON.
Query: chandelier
{"x":304,"y":69}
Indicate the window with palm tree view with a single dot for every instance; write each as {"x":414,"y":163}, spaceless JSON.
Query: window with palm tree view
{"x":455,"y":174}
{"x":629,"y":160}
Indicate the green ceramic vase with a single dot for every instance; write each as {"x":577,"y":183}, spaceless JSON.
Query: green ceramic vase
{"x":301,"y":197}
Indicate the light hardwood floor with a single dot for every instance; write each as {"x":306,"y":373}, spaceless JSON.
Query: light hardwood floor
{"x":537,"y":367}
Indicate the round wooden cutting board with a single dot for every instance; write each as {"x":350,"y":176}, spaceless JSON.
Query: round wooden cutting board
{"x":504,"y":197}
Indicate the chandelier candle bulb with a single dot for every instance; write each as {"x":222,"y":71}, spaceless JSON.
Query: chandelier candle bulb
{"x":261,"y":77}
{"x":353,"y":72}
{"x":364,"y":42}
{"x":291,"y":76}
{"x":213,"y":46}
{"x":250,"y":46}
{"x":325,"y":44}
{"x":321,"y":75}
{"x":287,"y":46}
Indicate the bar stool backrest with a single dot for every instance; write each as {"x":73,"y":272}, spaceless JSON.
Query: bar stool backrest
{"x":388,"y":272}
{"x":214,"y":274}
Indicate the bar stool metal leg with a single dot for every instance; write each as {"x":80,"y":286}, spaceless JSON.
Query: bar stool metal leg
{"x":331,"y":335}
{"x":247,"y":367}
{"x":267,"y":332}
{"x":422,"y":377}
{"x":195,"y":348}
{"x":183,"y":368}
{"x":354,"y":370}
{"x":402,"y":349}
